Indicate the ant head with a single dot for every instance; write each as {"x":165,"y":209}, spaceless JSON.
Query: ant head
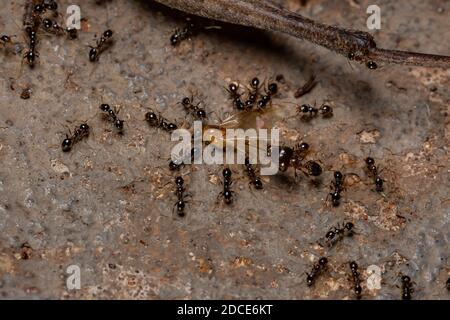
{"x":326,"y":110}
{"x":304,"y":108}
{"x":239,"y":104}
{"x":39,"y":8}
{"x":406,"y":279}
{"x":272,"y":88}
{"x":370,"y":161}
{"x":108,"y":33}
{"x":262,"y":103}
{"x":172,"y":126}
{"x":371,"y":65}
{"x":179,"y":181}
{"x":119,"y":124}
{"x":323,"y":261}
{"x":254,"y":83}
{"x":226,"y":173}
{"x":335,"y":196}
{"x":105,"y":107}
{"x":93,"y":54}
{"x":186,"y":101}
{"x":258,"y":184}
{"x":201,"y":113}
{"x":314,"y":168}
{"x":47,"y":23}
{"x":303,"y":146}
{"x":353,"y":265}
{"x":233,"y":87}
{"x":358,"y":290}
{"x":66,"y":144}
{"x":330,"y":234}
{"x":349,"y":226}
{"x":174,"y":39}
{"x":5,"y":38}
{"x":265,"y":98}
{"x":338,"y":175}
{"x":151,"y":115}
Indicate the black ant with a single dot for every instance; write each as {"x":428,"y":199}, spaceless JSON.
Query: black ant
{"x":317,"y":269}
{"x":197,"y":112}
{"x":356,"y":279}
{"x":112,"y":117}
{"x":54,"y":28}
{"x":156,"y":120}
{"x":189,"y":30}
{"x":101,"y":46}
{"x":336,"y":234}
{"x":407,"y":288}
{"x":235,"y":96}
{"x":44,"y":6}
{"x":254,"y":179}
{"x":308,"y":112}
{"x":373,"y":172}
{"x":272,"y":89}
{"x":294,"y":157}
{"x":81,"y":132}
{"x":338,"y":187}
{"x":447,"y":284}
{"x":227,"y":193}
{"x":180,"y":192}
{"x":31,"y":54}
{"x":253,"y":93}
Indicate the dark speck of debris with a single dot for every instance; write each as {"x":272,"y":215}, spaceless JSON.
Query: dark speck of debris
{"x":280,"y":78}
{"x":26,"y":94}
{"x":25,"y":251}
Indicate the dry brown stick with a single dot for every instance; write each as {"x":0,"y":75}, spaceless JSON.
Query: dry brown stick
{"x":357,"y":45}
{"x":306,"y":88}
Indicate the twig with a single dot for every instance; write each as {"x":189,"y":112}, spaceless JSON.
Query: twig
{"x":356,"y":45}
{"x":307,"y":87}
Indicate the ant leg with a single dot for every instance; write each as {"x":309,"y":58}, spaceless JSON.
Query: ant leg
{"x":325,"y":204}
{"x":218,"y":197}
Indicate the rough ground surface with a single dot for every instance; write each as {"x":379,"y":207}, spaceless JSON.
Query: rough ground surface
{"x":107,"y":206}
